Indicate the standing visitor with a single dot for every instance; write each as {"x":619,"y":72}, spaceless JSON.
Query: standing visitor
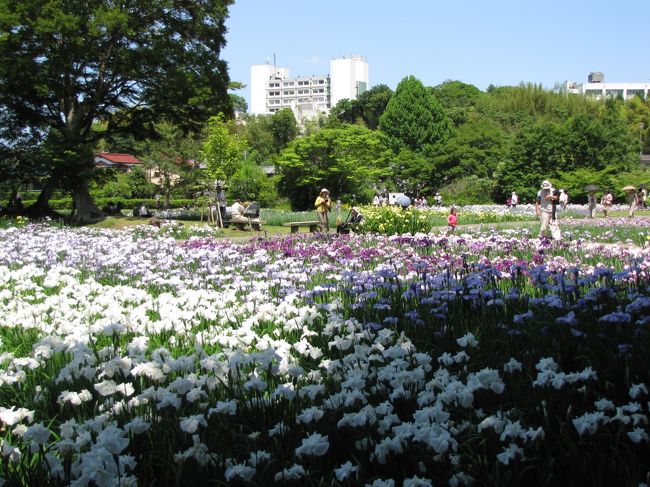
{"x":544,"y":207}
{"x":644,"y":197}
{"x":452,"y":220}
{"x":437,"y":199}
{"x":632,"y":200}
{"x":591,"y":201}
{"x":514,"y":199}
{"x":564,"y":199}
{"x":607,"y":201}
{"x":323,"y":206}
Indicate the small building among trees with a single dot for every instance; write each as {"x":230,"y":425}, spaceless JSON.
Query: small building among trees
{"x":122,"y":162}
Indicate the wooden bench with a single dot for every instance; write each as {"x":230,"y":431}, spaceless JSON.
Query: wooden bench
{"x":257,"y":226}
{"x":313,"y":226}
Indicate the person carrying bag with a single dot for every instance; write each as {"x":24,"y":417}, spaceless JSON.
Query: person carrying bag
{"x":323,"y":205}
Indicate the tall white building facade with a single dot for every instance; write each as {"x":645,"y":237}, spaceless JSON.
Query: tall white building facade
{"x":272,"y":89}
{"x":596,"y":87}
{"x":349,"y":78}
{"x":261,"y":74}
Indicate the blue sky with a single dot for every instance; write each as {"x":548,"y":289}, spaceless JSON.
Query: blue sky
{"x":481,"y":42}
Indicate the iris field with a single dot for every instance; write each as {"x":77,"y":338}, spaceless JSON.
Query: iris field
{"x":488,"y":357}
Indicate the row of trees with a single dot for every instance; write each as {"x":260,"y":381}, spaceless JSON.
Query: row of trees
{"x":473,"y":146}
{"x":146,"y":77}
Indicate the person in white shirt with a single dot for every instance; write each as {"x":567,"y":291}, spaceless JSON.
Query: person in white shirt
{"x":564,"y":199}
{"x":514,"y":199}
{"x":237,"y":212}
{"x":544,"y":207}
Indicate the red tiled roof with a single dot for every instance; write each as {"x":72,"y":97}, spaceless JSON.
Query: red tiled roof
{"x":119,"y":158}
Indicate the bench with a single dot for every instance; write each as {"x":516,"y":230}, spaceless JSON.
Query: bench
{"x":313,"y":226}
{"x":257,"y":226}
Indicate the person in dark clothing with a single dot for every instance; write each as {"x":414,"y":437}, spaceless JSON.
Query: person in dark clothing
{"x":355,"y":219}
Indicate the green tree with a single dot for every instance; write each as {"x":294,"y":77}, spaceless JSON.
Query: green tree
{"x":458,"y":99}
{"x":223,"y":150}
{"x":410,"y":173}
{"x":538,"y":153}
{"x":373,"y":103}
{"x":637,"y":116}
{"x":366,"y":109}
{"x":250,"y":183}
{"x":283,"y":128}
{"x":257,"y":132}
{"x":470,"y":190}
{"x":124,"y":185}
{"x":476,"y":148}
{"x":413,"y":119}
{"x":346,"y":160}
{"x":345,"y":111}
{"x":238,"y":103}
{"x":170,"y":156}
{"x":64,"y":65}
{"x":545,"y":149}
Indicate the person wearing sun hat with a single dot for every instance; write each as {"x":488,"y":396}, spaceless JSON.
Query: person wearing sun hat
{"x":323,"y":205}
{"x":544,"y":207}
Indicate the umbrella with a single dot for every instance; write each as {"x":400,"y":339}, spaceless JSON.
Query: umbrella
{"x":403,"y":200}
{"x":591,"y":187}
{"x":629,"y":188}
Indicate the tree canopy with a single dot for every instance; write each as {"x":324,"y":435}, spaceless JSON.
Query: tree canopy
{"x":413,"y":119}
{"x":346,"y":160}
{"x":64,"y":65}
{"x":223,"y":150}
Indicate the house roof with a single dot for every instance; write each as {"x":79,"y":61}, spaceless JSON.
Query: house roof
{"x":118,"y":158}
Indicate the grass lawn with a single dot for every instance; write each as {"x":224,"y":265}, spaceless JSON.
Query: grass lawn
{"x":120,"y":222}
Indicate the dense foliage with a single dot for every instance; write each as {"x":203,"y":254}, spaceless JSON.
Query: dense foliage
{"x":65,"y":65}
{"x":345,"y":160}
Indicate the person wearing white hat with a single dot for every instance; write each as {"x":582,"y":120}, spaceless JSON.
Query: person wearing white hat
{"x":323,"y":205}
{"x":544,"y":207}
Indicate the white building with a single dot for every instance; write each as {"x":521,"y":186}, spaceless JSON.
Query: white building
{"x":596,"y":87}
{"x":261,"y":74}
{"x":272,"y":89}
{"x":349,"y":78}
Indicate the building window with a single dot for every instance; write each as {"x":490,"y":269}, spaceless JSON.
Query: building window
{"x":633,"y":93}
{"x":287,"y":83}
{"x":614,"y":93}
{"x":594,"y":93}
{"x":288,"y":92}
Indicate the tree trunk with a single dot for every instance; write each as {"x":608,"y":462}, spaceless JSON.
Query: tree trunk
{"x":85,"y":210}
{"x":41,"y":210}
